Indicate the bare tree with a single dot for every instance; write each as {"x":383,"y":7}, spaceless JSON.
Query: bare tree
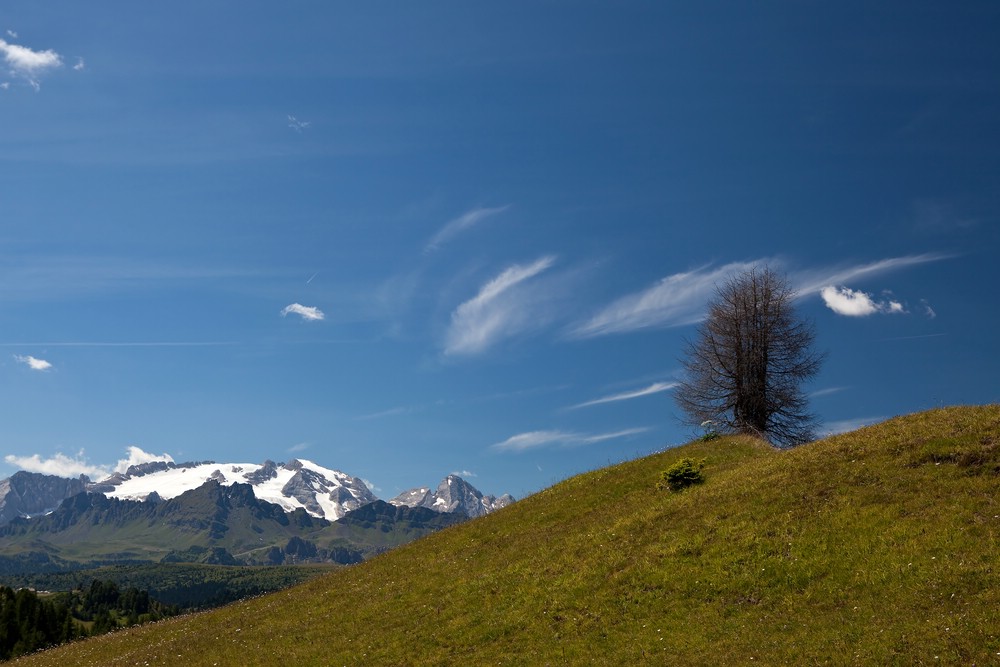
{"x":751,"y":356}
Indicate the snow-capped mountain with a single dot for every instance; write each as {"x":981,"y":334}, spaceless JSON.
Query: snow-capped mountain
{"x":322,"y":492}
{"x":453,"y":494}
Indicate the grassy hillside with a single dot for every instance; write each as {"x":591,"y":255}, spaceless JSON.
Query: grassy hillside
{"x":875,"y":547}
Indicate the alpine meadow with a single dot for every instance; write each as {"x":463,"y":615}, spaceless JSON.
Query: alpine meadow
{"x":878,"y":546}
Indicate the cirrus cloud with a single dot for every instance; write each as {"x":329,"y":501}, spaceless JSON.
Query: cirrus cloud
{"x":504,"y":307}
{"x":654,"y":388}
{"x":460,"y":224}
{"x":555,"y":438}
{"x":673,"y":301}
{"x":681,"y":298}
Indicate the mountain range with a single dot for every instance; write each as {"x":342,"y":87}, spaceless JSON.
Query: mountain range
{"x":270,"y":513}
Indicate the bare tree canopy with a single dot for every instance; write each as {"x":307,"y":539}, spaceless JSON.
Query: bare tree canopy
{"x":745,"y":369}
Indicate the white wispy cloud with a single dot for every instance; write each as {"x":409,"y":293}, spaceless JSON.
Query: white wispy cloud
{"x":812,"y":281}
{"x":300,"y":447}
{"x":928,"y":311}
{"x":296,"y":124}
{"x":36,"y":278}
{"x":555,"y":438}
{"x":681,"y":298}
{"x":855,"y":303}
{"x":916,"y":337}
{"x":654,"y":388}
{"x":308,"y":313}
{"x":33,"y":363}
{"x":502,"y":308}
{"x":27,"y":63}
{"x":826,"y":392}
{"x":464,"y":473}
{"x":391,"y":412}
{"x":460,"y":224}
{"x":80,"y":65}
{"x":63,"y":465}
{"x":371,"y":486}
{"x":676,"y":300}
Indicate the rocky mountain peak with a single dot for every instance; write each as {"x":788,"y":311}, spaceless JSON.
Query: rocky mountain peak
{"x":30,"y":494}
{"x":453,"y":495}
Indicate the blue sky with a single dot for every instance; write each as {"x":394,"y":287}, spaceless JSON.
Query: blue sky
{"x":409,"y":239}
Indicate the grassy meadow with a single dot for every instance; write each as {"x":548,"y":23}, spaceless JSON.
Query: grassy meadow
{"x":873,"y":547}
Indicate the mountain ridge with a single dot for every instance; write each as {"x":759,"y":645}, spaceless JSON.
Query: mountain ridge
{"x":297,"y":484}
{"x":28,"y":493}
{"x":148,"y":514}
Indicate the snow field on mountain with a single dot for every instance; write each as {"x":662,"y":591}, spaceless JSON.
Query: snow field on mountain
{"x":175,"y":481}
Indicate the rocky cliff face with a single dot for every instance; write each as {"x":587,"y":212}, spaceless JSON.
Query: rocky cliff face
{"x":31,"y":494}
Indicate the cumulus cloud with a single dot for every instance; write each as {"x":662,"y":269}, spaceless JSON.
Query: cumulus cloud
{"x":308,"y":313}
{"x":654,"y":388}
{"x":502,"y":308}
{"x":33,"y":363}
{"x":62,"y":465}
{"x":460,"y":224}
{"x":136,"y":456}
{"x":855,"y":303}
{"x":536,"y":439}
{"x":28,"y":64}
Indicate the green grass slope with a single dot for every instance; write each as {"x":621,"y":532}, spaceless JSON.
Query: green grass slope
{"x":874,"y":547}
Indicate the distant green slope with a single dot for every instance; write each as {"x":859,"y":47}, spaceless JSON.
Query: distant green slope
{"x":874,"y":547}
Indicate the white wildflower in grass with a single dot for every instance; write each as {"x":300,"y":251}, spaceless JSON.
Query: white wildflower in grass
{"x":709,"y":430}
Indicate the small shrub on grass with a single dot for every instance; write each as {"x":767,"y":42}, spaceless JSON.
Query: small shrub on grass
{"x":710,"y":430}
{"x":682,"y":474}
